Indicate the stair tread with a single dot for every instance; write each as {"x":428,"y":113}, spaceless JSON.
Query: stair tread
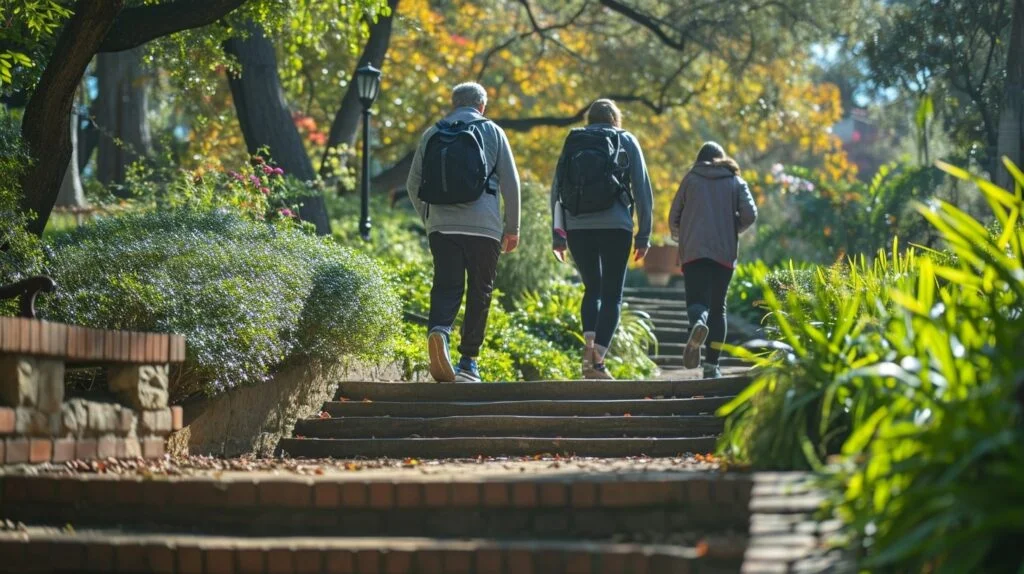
{"x":589,"y":389}
{"x":505,"y":425}
{"x":549,"y":407}
{"x":461,"y":447}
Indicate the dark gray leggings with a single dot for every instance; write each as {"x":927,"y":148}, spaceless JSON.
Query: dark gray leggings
{"x":707,"y":284}
{"x":601,"y":256}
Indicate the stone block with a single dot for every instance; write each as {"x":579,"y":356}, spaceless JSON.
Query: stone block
{"x":157,"y":422}
{"x":103,"y":418}
{"x":50,"y":385}
{"x":63,"y":449}
{"x":129,"y":448}
{"x":126,"y":421}
{"x":16,"y":450}
{"x":74,"y":418}
{"x":106,"y":447}
{"x":177,"y":418}
{"x":31,"y":422}
{"x":143,"y":387}
{"x":19,"y":381}
{"x":153,"y":447}
{"x":40,"y":450}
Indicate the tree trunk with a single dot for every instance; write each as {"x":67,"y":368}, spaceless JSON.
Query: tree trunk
{"x":1011,"y":119}
{"x":266,"y":119}
{"x":71,"y":194}
{"x":345,"y":126}
{"x":120,"y":114}
{"x":48,"y":113}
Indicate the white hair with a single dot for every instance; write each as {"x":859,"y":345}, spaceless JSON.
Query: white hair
{"x":469,"y":94}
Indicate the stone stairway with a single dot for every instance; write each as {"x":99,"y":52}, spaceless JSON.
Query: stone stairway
{"x":581,"y":418}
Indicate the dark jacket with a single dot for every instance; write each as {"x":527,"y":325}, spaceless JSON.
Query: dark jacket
{"x":712,"y":207}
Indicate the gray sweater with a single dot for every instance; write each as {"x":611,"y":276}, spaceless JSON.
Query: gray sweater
{"x":620,"y":215}
{"x":712,"y":207}
{"x":483,"y":216}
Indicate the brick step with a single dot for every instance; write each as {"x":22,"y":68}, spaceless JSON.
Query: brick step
{"x":633,"y":506}
{"x":509,"y":425}
{"x":545,"y":390}
{"x":640,"y":407}
{"x":463,"y":447}
{"x":41,"y":550}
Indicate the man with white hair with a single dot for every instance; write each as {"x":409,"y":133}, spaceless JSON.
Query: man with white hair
{"x":461,"y":166}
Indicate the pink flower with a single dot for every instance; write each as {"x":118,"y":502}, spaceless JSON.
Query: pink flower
{"x":254,"y":179}
{"x":286,"y":212}
{"x":278,"y":171}
{"x":268,"y":170}
{"x":265,"y":190}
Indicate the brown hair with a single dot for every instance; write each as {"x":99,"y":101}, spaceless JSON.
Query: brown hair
{"x":714,"y":154}
{"x":604,"y":111}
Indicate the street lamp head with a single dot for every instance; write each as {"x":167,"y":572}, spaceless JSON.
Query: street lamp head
{"x":367,"y":85}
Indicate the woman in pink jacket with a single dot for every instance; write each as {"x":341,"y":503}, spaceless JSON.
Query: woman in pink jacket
{"x":712,"y":207}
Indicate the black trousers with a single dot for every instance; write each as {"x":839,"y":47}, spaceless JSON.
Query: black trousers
{"x":707,"y":284}
{"x":601,"y":256}
{"x":459,"y":259}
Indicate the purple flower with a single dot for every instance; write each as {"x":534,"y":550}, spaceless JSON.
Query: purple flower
{"x":278,"y":171}
{"x":286,"y":212}
{"x":268,"y":170}
{"x":254,"y":179}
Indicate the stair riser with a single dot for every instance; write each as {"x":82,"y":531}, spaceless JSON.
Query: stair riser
{"x":503,"y":523}
{"x":499,"y":446}
{"x":504,"y":426}
{"x":560,"y":390}
{"x":664,"y":407}
{"x":66,"y":554}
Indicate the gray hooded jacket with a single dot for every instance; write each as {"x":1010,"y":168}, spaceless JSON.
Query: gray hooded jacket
{"x":482,"y":217}
{"x":712,"y":207}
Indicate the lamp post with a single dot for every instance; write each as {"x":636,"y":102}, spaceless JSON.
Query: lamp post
{"x":368,"y":87}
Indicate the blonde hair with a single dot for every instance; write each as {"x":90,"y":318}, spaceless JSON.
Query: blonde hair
{"x":604,"y":111}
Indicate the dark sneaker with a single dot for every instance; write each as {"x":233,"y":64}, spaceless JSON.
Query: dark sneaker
{"x":712,"y":371}
{"x":467,"y":371}
{"x":691,"y":355}
{"x":440,"y":361}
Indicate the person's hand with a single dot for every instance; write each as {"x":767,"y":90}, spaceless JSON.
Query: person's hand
{"x":509,"y":243}
{"x":640,"y":253}
{"x":559,"y":254}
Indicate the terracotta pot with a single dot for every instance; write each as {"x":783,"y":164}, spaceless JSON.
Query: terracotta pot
{"x":661,"y":264}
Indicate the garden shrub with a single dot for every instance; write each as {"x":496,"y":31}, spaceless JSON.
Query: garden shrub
{"x":901,"y":382}
{"x":246,"y":295}
{"x":532,"y":266}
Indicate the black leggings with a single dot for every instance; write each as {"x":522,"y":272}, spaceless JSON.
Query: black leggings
{"x":707,"y":284}
{"x":601,"y":256}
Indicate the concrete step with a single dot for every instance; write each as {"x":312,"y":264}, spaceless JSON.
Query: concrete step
{"x":52,"y":551}
{"x":504,"y":426}
{"x":673,"y":293}
{"x":469,"y":447}
{"x":675,"y":322}
{"x":671,"y":334}
{"x":580,"y":408}
{"x":676,"y":360}
{"x":641,"y":302}
{"x":542,"y":390}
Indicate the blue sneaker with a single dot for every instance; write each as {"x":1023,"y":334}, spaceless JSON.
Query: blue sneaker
{"x":440,"y":361}
{"x":467,"y":371}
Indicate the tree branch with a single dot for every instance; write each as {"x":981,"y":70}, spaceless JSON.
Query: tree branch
{"x":140,"y":24}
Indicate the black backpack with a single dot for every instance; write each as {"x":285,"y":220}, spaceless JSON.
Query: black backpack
{"x":455,"y":164}
{"x":595,"y":171}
